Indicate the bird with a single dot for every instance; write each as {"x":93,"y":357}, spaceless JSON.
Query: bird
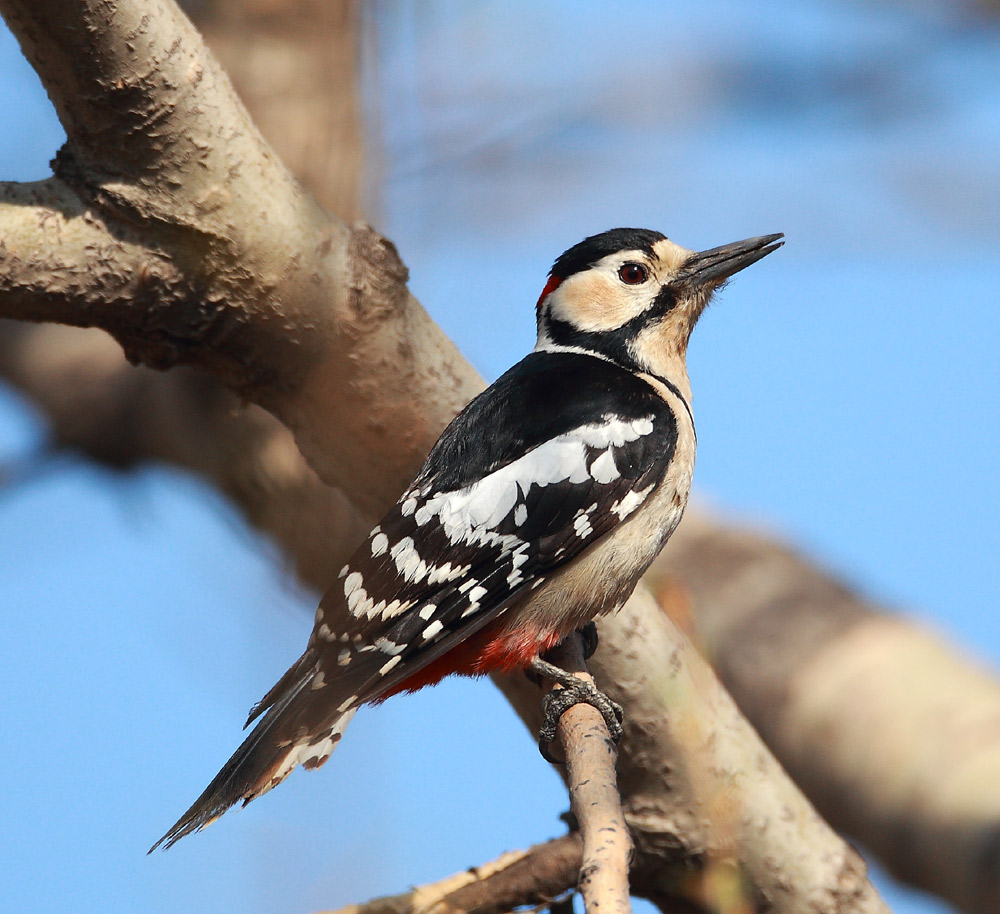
{"x":537,"y":510}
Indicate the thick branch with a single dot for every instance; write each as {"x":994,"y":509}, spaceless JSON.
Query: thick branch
{"x":197,"y":180}
{"x":60,"y":262}
{"x":294,"y":63}
{"x":306,"y":319}
{"x":700,"y":791}
{"x":313,"y":321}
{"x":243,"y":275}
{"x":891,"y":731}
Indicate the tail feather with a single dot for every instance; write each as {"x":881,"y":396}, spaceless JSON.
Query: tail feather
{"x":283,"y":738}
{"x":293,"y":674}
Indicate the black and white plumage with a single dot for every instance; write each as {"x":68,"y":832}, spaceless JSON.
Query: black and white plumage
{"x":538,"y":509}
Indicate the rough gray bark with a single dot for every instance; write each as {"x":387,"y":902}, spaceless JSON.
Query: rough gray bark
{"x":198,"y":247}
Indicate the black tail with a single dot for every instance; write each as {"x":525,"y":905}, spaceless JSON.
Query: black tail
{"x":286,"y":736}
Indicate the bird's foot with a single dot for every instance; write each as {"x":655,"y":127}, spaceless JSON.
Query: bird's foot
{"x":574,"y":691}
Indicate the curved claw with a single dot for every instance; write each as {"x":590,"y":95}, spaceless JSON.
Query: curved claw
{"x":574,"y":691}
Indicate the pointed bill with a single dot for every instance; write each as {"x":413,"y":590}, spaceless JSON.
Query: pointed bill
{"x":718,"y":264}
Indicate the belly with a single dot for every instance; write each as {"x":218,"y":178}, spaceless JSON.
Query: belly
{"x":603,"y":577}
{"x":596,"y":582}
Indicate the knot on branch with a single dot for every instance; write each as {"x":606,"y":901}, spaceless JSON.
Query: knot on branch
{"x":95,"y":186}
{"x":378,"y":276}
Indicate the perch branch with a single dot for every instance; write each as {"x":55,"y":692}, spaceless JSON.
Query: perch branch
{"x":294,"y":312}
{"x":590,"y":758}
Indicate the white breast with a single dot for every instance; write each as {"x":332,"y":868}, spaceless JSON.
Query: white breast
{"x":603,"y":577}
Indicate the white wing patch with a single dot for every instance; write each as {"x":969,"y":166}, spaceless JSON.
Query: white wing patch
{"x":603,"y":469}
{"x":470,"y":515}
{"x":630,"y":502}
{"x":442,"y":536}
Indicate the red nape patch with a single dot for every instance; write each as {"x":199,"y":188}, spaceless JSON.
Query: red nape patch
{"x":550,"y":287}
{"x":486,"y":652}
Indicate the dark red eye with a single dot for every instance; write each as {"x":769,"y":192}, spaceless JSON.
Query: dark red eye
{"x":633,"y":273}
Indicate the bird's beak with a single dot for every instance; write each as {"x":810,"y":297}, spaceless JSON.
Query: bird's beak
{"x":715,"y":266}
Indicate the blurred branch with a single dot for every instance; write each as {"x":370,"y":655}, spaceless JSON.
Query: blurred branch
{"x":890,"y":730}
{"x":534,"y":877}
{"x":294,"y":64}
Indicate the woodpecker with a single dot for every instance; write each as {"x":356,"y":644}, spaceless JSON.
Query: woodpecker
{"x":537,"y":510}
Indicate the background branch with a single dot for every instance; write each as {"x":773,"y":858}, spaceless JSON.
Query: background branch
{"x":536,"y":876}
{"x":889,"y":729}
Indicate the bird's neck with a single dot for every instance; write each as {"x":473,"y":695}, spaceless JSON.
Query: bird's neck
{"x":666,"y":365}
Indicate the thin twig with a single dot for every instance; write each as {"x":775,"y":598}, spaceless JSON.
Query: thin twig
{"x":516,"y":879}
{"x":593,"y":790}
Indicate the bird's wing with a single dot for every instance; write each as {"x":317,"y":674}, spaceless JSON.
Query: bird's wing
{"x":444,"y":562}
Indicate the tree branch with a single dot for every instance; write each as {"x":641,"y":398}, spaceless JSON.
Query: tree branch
{"x":699,"y":790}
{"x":308,"y":102}
{"x":888,"y":728}
{"x":280,"y":301}
{"x":60,"y":262}
{"x":536,"y":876}
{"x":701,"y":793}
{"x":590,"y":757}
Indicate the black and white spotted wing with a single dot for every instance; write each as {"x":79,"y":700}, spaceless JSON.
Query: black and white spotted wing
{"x":520,"y":483}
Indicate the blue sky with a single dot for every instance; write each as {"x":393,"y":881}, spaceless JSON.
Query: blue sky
{"x":846,"y":393}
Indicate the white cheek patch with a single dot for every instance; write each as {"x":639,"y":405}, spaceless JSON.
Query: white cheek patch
{"x":596,"y":300}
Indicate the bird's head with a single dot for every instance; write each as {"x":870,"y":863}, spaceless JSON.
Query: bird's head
{"x":633,"y":296}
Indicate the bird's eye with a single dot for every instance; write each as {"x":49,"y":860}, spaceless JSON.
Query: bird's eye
{"x":632,"y":274}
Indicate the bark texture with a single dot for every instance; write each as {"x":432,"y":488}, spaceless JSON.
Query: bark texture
{"x":889,"y":729}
